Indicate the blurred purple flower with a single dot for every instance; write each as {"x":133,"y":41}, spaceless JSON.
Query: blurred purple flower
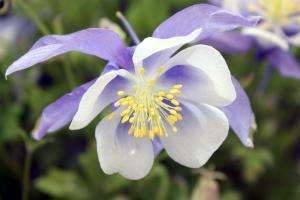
{"x":183,"y":103}
{"x":10,"y":32}
{"x":277,"y":31}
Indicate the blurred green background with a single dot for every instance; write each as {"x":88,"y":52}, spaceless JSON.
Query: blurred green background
{"x":65,"y":164}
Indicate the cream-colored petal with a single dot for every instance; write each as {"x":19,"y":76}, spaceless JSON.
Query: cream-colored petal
{"x":295,"y":40}
{"x":200,"y":134}
{"x":239,"y":6}
{"x":121,"y":153}
{"x":267,"y":38}
{"x":93,"y":101}
{"x":150,"y":46}
{"x":208,"y":79}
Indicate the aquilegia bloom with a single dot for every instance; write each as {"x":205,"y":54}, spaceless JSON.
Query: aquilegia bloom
{"x":277,"y":32}
{"x":183,"y":103}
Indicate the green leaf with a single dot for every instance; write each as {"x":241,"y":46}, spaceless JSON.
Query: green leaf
{"x":178,"y":189}
{"x":9,"y":127}
{"x":62,"y":184}
{"x":231,"y":195}
{"x":154,"y":186}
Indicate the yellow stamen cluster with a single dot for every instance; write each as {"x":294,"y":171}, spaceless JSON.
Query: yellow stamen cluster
{"x":148,"y":110}
{"x":282,"y":12}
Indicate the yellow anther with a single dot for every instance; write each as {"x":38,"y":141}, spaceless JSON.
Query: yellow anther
{"x":280,"y":12}
{"x":149,"y":110}
{"x":160,"y":132}
{"x":131,"y":102}
{"x":177,"y":86}
{"x":150,"y":82}
{"x":161,"y":93}
{"x":111,"y":115}
{"x":118,"y":103}
{"x":136,"y":133}
{"x":175,"y":91}
{"x":179,"y":116}
{"x":151,"y":135}
{"x":159,"y":99}
{"x":125,"y":119}
{"x":161,"y":70}
{"x":130,"y":98}
{"x":173,"y":112}
{"x":121,"y":93}
{"x":124,"y":102}
{"x":134,"y":107}
{"x":142,"y":132}
{"x":152,"y":113}
{"x":171,"y":120}
{"x":174,"y":129}
{"x":131,"y":130}
{"x":175,"y":102}
{"x":142,"y":71}
{"x":174,"y":118}
{"x":178,"y":108}
{"x":131,"y":120}
{"x":125,"y":112}
{"x":170,"y":96}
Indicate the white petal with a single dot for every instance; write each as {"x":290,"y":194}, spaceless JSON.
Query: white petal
{"x":295,"y":40}
{"x":200,"y":134}
{"x":267,"y":38}
{"x":213,"y":80}
{"x":232,"y":5}
{"x":121,"y":153}
{"x":93,"y":101}
{"x":150,"y":46}
{"x":236,"y":6}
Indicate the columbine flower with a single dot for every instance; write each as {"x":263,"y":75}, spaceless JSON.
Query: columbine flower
{"x":277,"y":32}
{"x":182,"y":103}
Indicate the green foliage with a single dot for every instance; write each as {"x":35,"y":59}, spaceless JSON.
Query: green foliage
{"x":154,"y":186}
{"x":143,"y":19}
{"x":87,"y":183}
{"x":62,"y":184}
{"x":65,"y":165}
{"x":9,"y":126}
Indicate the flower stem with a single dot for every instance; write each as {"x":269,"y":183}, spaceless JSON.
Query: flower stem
{"x":128,"y":27}
{"x":39,"y":23}
{"x":9,"y":163}
{"x":69,"y":74}
{"x":265,"y":80}
{"x":26,"y":175}
{"x":31,"y":147}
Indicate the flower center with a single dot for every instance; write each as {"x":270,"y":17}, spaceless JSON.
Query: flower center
{"x":282,"y":12}
{"x":149,"y":109}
